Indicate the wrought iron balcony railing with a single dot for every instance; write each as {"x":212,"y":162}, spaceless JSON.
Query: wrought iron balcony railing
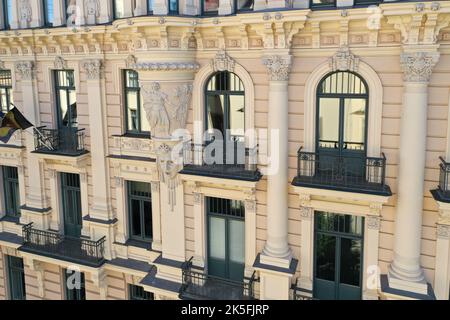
{"x":199,"y":286}
{"x":231,"y":160}
{"x":345,"y":173}
{"x":444,"y":180}
{"x":301,"y":294}
{"x":56,"y":245}
{"x":67,"y":141}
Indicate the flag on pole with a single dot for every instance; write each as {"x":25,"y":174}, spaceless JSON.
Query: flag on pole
{"x":11,"y":122}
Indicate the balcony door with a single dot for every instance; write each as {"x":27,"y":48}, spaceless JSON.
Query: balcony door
{"x":66,"y":104}
{"x":226,"y":238}
{"x":342,"y":102}
{"x":71,"y":204}
{"x":338,"y":256}
{"x":225,"y":116}
{"x":16,"y":278}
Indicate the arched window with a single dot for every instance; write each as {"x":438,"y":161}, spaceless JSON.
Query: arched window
{"x":342,"y":100}
{"x":225,"y":105}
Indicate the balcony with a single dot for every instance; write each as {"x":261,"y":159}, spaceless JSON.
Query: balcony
{"x":442,"y":193}
{"x":342,"y":173}
{"x":301,"y":294}
{"x":58,"y":246}
{"x":67,"y":142}
{"x":236,"y":163}
{"x":199,"y":286}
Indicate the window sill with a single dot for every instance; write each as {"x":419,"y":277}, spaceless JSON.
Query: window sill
{"x":136,"y":135}
{"x":139,"y":244}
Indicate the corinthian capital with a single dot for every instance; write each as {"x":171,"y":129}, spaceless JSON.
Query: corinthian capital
{"x":418,"y":66}
{"x":25,"y":69}
{"x":93,"y":69}
{"x":278,"y":67}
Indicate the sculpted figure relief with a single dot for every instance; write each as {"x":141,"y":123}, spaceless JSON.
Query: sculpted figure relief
{"x":166,"y":113}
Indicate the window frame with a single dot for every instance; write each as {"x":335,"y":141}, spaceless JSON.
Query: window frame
{"x":134,"y":294}
{"x":139,"y":132}
{"x":11,"y":183}
{"x":68,"y":89}
{"x":10,"y":269}
{"x":8,"y":89}
{"x":45,"y":8}
{"x":313,"y":5}
{"x":141,"y":200}
{"x":74,"y":294}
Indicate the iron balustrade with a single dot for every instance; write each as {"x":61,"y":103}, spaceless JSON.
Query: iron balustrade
{"x":60,"y":246}
{"x":197,"y":285}
{"x":301,"y":294}
{"x":359,"y":174}
{"x":224,"y":160}
{"x":444,"y":175}
{"x":68,"y":141}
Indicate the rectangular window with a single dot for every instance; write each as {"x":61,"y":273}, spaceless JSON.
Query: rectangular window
{"x":138,"y":293}
{"x":66,"y":98}
{"x":244,"y":5}
{"x":11,"y":191}
{"x":6,"y":97}
{"x":210,"y":7}
{"x":150,"y":4}
{"x":7,"y":14}
{"x":48,"y":12}
{"x":74,"y":285}
{"x":140,"y":210}
{"x":136,"y":118}
{"x":323,"y":3}
{"x":173,"y":6}
{"x":16,"y":278}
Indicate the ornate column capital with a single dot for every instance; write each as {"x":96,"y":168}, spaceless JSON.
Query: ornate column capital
{"x":26,"y":70}
{"x":93,"y":69}
{"x":418,"y":66}
{"x":306,"y":213}
{"x":278,"y":67}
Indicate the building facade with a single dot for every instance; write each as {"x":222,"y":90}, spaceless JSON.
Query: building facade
{"x":226,"y":149}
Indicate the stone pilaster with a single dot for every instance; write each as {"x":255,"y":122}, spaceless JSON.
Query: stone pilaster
{"x":405,"y":272}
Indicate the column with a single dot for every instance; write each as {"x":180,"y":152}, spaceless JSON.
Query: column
{"x":36,"y":200}
{"x":259,"y":5}
{"x":276,"y":266}
{"x":277,"y":249}
{"x":272,"y":4}
{"x":344,"y":3}
{"x":189,"y":8}
{"x":306,"y":253}
{"x":105,"y":12}
{"x":80,"y":13}
{"x":442,"y":272}
{"x":371,"y":271}
{"x":37,"y":17}
{"x":156,"y":217}
{"x":15,"y":23}
{"x":225,"y":7}
{"x":405,"y":272}
{"x":199,"y":227}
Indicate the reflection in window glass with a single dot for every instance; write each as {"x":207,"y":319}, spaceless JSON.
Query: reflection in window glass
{"x":323,"y":2}
{"x":244,"y":5}
{"x":210,"y":6}
{"x":48,"y":12}
{"x":355,"y":123}
{"x":150,"y":4}
{"x":5,"y":90}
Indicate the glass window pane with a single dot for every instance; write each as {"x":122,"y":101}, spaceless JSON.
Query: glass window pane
{"x":135,"y":212}
{"x":119,"y":8}
{"x":323,"y":2}
{"x":132,"y":104}
{"x":354,"y":124}
{"x":150,"y":4}
{"x":148,"y":226}
{"x":48,"y":12}
{"x":325,"y":257}
{"x":350,"y":271}
{"x":215,"y":108}
{"x":245,"y":4}
{"x":328,"y":122}
{"x":173,"y":6}
{"x":236,"y":240}
{"x":217,"y":238}
{"x":237,"y":115}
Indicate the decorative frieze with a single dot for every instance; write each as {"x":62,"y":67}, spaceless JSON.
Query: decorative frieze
{"x":165,"y":66}
{"x":93,"y":69}
{"x":25,"y":70}
{"x":278,"y":67}
{"x":418,"y":66}
{"x":223,"y":62}
{"x":344,"y":60}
